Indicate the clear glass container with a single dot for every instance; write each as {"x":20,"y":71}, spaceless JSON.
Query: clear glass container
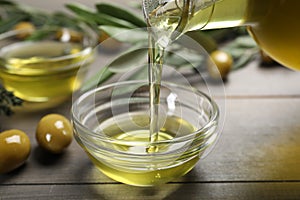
{"x":111,"y":123}
{"x":272,"y":23}
{"x":40,"y":66}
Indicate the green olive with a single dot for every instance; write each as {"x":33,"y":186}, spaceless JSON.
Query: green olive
{"x":54,"y":133}
{"x":14,"y":149}
{"x":25,"y":28}
{"x":219,"y":64}
{"x":71,"y":35}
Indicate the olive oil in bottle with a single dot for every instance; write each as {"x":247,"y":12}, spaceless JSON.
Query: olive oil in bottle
{"x":42,"y":71}
{"x":272,"y":23}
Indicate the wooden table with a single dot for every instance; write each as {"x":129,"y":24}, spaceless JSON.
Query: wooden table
{"x":256,"y":157}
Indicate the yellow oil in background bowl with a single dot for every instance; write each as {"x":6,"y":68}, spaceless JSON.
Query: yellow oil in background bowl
{"x":43,"y":70}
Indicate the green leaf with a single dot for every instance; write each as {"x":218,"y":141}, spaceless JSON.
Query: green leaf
{"x":126,"y":35}
{"x":7,"y":100}
{"x":140,"y":74}
{"x":101,"y":19}
{"x":6,"y":2}
{"x":129,"y":60}
{"x":39,"y":19}
{"x":183,"y":58}
{"x":9,"y":23}
{"x":243,"y":49}
{"x":245,"y":41}
{"x":200,"y":37}
{"x":58,"y":19}
{"x":100,"y":77}
{"x":235,"y":52}
{"x":244,"y":59}
{"x":134,"y":58}
{"x":121,"y":13}
{"x":38,"y":35}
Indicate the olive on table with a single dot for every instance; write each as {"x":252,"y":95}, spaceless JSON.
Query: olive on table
{"x":219,"y":64}
{"x":54,"y":133}
{"x":67,"y":35}
{"x":14,"y":149}
{"x":25,"y":28}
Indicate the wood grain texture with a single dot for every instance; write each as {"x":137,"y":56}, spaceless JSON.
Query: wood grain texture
{"x":191,"y":191}
{"x":256,"y":157}
{"x":258,"y":143}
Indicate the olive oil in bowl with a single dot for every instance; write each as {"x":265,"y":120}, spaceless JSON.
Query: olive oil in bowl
{"x":43,"y":71}
{"x":112,"y":124}
{"x":152,"y":168}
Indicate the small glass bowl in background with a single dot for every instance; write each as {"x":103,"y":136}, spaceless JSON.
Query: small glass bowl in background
{"x":40,"y":65}
{"x":111,"y":123}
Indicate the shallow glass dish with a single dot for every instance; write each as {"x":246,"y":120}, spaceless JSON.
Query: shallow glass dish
{"x":40,"y":65}
{"x":111,"y":123}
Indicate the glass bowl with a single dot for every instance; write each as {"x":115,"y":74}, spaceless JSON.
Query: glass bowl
{"x":40,"y":65}
{"x":111,"y":123}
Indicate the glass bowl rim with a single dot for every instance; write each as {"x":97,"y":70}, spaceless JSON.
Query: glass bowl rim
{"x":213,"y":119}
{"x":86,"y":50}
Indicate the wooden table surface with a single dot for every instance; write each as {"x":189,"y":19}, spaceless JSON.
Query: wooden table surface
{"x":256,"y":157}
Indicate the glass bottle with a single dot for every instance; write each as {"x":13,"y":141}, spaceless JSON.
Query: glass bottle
{"x":272,"y":23}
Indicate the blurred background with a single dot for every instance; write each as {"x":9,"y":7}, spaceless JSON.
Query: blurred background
{"x":59,"y":4}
